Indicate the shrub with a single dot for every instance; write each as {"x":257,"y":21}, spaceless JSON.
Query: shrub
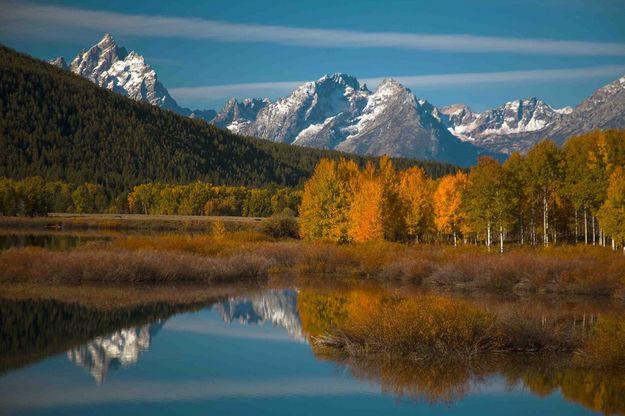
{"x":282,"y":225}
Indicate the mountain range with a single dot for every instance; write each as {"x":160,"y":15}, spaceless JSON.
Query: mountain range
{"x":337,"y":112}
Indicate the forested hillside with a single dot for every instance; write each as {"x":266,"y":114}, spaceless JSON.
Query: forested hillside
{"x":60,"y":126}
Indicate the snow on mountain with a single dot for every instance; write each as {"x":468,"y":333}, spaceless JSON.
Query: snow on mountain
{"x":235,"y":113}
{"x":309,"y":106}
{"x":279,"y":307}
{"x":518,"y":116}
{"x":564,"y":110}
{"x":122,"y":347}
{"x":111,"y":66}
{"x":336,"y":112}
{"x":59,"y":62}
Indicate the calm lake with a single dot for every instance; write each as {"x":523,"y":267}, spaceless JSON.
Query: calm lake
{"x":51,"y":240}
{"x":251,"y":353}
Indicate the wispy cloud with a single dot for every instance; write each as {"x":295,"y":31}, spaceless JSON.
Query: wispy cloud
{"x":37,"y":20}
{"x":215,"y":92}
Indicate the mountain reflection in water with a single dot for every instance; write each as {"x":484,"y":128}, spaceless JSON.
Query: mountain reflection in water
{"x":276,"y":306}
{"x":108,"y":352}
{"x":104,"y":341}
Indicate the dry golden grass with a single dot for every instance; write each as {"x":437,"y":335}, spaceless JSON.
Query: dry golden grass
{"x":570,"y":270}
{"x":97,"y":265}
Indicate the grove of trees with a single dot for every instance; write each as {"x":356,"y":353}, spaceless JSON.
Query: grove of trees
{"x":550,"y":196}
{"x":33,"y":196}
{"x":201,"y":198}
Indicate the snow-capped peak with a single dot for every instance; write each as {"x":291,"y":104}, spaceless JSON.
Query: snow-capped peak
{"x":106,"y":41}
{"x":340,"y":79}
{"x":112,"y":67}
{"x":517,"y":116}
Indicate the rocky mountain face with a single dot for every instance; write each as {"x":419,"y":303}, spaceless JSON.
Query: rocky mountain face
{"x":604,"y":109}
{"x":336,"y":112}
{"x":235,"y":112}
{"x":111,"y":66}
{"x":519,"y":124}
{"x":518,"y":116}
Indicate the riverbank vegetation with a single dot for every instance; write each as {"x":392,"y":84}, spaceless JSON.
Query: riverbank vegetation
{"x":440,"y":327}
{"x":250,"y":254}
{"x":551,"y":196}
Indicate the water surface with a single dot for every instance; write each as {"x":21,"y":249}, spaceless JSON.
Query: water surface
{"x":250,"y":355}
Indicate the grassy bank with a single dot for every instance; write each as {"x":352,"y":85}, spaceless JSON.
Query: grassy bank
{"x":124,"y":266}
{"x":247,"y":254}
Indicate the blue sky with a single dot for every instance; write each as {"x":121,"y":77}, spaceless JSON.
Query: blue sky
{"x":206,"y":51}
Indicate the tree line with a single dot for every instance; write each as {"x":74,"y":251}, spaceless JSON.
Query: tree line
{"x":201,"y":198}
{"x":549,"y":196}
{"x":34,"y":196}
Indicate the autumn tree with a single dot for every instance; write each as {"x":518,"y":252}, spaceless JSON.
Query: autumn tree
{"x":326,"y":200}
{"x":447,"y":202}
{"x":612,"y":213}
{"x":415,"y":194}
{"x":88,"y":198}
{"x":544,"y":169}
{"x":365,"y":215}
{"x":488,"y":201}
{"x":392,"y":214}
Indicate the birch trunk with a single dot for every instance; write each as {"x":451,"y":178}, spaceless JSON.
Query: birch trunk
{"x":545,"y":218}
{"x":585,"y":227}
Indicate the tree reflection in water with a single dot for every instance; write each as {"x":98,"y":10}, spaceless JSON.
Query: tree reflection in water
{"x":393,"y":340}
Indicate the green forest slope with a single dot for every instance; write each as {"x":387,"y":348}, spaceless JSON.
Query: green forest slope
{"x":60,"y":126}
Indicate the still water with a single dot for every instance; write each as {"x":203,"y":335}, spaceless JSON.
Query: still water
{"x":248,"y":354}
{"x":51,"y":241}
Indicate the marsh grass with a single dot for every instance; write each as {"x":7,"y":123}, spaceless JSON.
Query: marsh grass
{"x":568,"y":270}
{"x":95,"y":265}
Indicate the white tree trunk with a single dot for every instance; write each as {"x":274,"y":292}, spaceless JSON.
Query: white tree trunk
{"x":576,"y":228}
{"x":585,"y":227}
{"x":545,"y":218}
{"x":594,"y":231}
{"x":501,"y":238}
